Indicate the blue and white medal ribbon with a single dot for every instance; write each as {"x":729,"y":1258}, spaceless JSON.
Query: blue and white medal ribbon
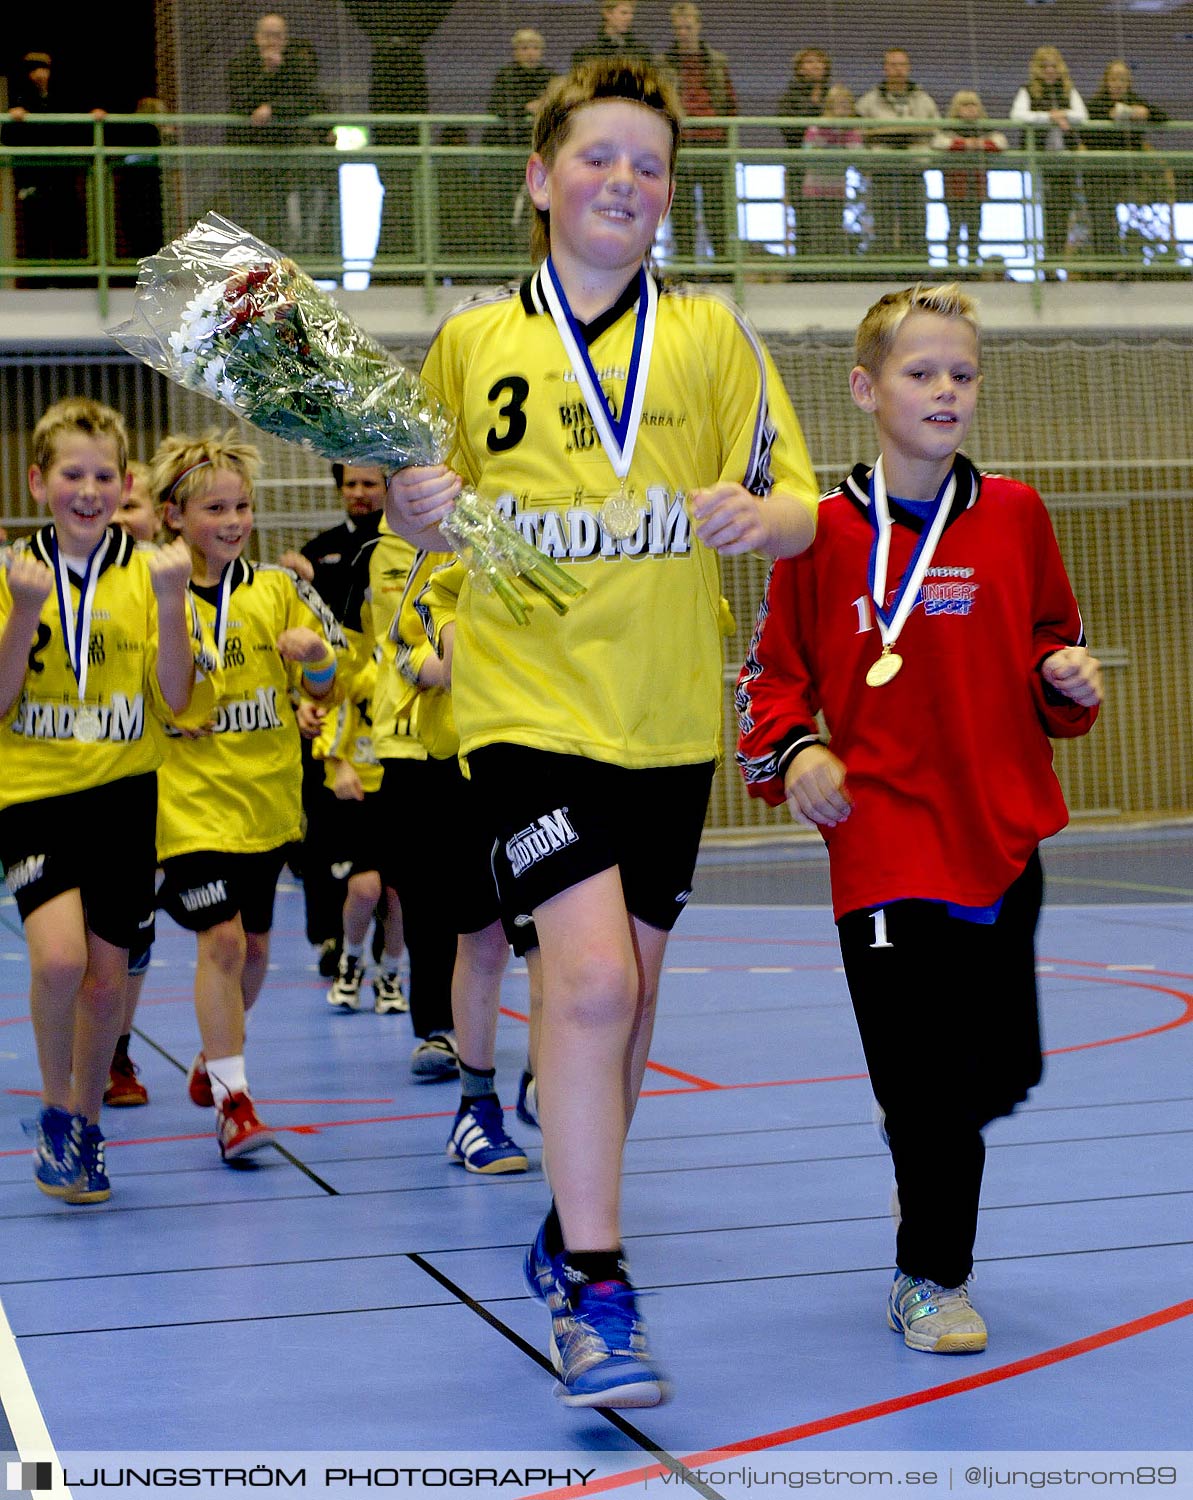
{"x":221,"y":609}
{"x":76,"y":629}
{"x":890,"y":622}
{"x":620,"y":514}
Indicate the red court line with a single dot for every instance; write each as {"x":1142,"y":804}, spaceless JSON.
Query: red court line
{"x":1131,"y":1036}
{"x":698,"y":1084}
{"x":859,"y":1414}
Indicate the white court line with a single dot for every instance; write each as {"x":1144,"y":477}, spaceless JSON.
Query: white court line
{"x":22,"y":1411}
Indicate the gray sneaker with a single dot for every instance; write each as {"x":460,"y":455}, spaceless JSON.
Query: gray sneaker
{"x":389,"y":998}
{"x":435,"y":1058}
{"x":345,"y":988}
{"x":935,"y":1319}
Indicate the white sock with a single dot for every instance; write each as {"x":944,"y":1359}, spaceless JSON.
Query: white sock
{"x":354,"y":950}
{"x":391,"y":962}
{"x":227,"y":1077}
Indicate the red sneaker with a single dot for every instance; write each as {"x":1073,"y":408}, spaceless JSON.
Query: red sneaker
{"x":198,"y":1085}
{"x":124,"y":1088}
{"x":238,"y":1130}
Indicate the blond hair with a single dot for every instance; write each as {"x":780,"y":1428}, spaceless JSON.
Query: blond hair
{"x":1040,"y":59}
{"x":876,"y":332}
{"x":590,"y":83}
{"x":181,"y":467}
{"x":965,"y":96}
{"x":78,"y":414}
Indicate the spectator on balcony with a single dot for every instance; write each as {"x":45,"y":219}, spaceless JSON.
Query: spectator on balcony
{"x":1118,"y":103}
{"x":514,"y":98}
{"x":398,"y":87}
{"x":820,"y":218}
{"x":274,"y":81}
{"x":137,"y":180}
{"x":1049,"y":101}
{"x":50,"y":194}
{"x":898,"y":203}
{"x":807,"y":88}
{"x":701,"y":77}
{"x":965,"y":185}
{"x":616,"y":37}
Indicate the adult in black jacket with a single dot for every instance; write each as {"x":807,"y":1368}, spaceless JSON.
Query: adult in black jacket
{"x":616,"y":38}
{"x":1127,"y":112}
{"x":50,"y":194}
{"x":398,"y":86}
{"x":514,"y":98}
{"x":274,"y":81}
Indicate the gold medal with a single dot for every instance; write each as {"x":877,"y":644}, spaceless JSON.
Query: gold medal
{"x":621,"y":515}
{"x":89,"y":724}
{"x":885,"y":669}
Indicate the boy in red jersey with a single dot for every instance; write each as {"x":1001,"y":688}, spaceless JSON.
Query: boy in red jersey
{"x":933,"y":626}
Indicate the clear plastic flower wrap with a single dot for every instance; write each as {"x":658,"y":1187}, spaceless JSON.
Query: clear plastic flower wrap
{"x":221,"y":312}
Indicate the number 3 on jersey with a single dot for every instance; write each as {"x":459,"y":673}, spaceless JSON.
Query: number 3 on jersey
{"x":513,"y":430}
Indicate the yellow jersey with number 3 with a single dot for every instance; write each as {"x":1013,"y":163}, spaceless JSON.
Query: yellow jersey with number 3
{"x":632,"y":674}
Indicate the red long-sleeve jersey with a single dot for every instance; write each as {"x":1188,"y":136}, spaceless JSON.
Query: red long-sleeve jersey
{"x":949,"y":764}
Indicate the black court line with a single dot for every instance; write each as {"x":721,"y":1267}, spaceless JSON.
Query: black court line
{"x":215,"y":1268}
{"x":635,"y":1435}
{"x":482,"y":1310}
{"x":669,"y":1170}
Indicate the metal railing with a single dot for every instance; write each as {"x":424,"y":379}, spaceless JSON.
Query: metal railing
{"x":1128,"y":213}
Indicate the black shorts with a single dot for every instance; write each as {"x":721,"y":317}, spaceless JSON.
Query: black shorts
{"x":99,"y":842}
{"x":434,"y":838}
{"x":352,"y":838}
{"x":202,"y":890}
{"x":559,"y":819}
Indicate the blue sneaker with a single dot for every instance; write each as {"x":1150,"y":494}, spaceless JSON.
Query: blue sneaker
{"x":542,"y":1273}
{"x":479,"y":1143}
{"x":527,"y":1107}
{"x":56,"y":1155}
{"x":598,"y":1348}
{"x":91,"y":1185}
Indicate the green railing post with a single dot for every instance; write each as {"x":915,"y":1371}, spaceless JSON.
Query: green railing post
{"x":97,"y":227}
{"x":427,"y":215}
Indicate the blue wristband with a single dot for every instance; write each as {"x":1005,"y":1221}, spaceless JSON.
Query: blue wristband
{"x":320,"y":675}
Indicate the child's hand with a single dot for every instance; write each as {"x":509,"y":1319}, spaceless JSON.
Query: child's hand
{"x":1076,"y":674}
{"x":298,"y":564}
{"x":29,"y":582}
{"x":348,"y":787}
{"x":310,"y":718}
{"x":302,"y":644}
{"x":729,"y":519}
{"x":814,"y":782}
{"x":419,"y":498}
{"x":170,"y":571}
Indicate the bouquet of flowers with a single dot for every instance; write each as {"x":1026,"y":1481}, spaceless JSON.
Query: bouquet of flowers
{"x":221,"y":312}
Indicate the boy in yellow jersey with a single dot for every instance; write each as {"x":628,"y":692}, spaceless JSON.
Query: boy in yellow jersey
{"x":633,"y":432}
{"x":354,"y":837}
{"x":137,"y":515}
{"x":452,"y":851}
{"x":409,"y":806}
{"x":230,"y":794}
{"x":95,"y":641}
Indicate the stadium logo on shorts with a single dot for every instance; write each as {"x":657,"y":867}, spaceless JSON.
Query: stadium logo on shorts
{"x":24,"y":873}
{"x":202,"y":896}
{"x":544,"y":836}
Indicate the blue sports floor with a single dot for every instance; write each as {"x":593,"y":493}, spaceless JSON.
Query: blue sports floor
{"x":353,"y":1304}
